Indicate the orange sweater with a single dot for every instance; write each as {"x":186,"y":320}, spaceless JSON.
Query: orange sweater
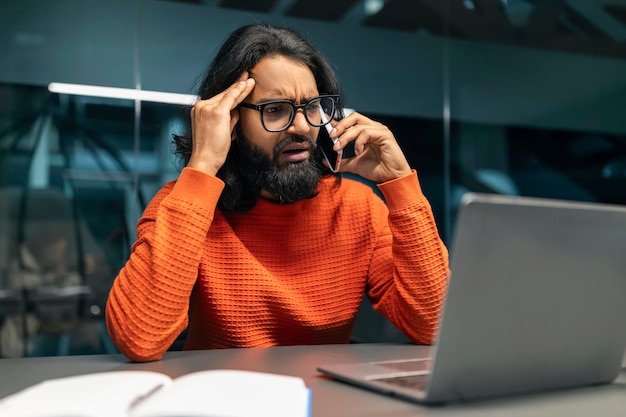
{"x":278,"y":274}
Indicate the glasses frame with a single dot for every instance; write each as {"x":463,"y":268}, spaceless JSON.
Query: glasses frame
{"x":261,"y":106}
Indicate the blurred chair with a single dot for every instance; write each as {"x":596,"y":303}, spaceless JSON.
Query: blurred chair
{"x":12,"y":304}
{"x":47,"y":256}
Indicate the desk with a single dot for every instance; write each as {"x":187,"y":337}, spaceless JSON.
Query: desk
{"x":330,"y":398}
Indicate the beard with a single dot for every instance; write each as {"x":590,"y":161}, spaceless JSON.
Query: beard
{"x":289,"y":182}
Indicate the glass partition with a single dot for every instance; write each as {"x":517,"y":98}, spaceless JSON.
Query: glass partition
{"x":512,"y":97}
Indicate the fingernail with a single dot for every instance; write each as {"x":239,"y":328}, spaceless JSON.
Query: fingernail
{"x":250,"y":81}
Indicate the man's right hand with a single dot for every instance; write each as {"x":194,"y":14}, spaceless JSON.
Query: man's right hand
{"x":212,"y":125}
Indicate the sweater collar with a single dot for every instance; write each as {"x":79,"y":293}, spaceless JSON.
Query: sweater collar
{"x":265,"y":207}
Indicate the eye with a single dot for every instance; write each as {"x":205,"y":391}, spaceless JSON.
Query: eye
{"x":313,"y":107}
{"x":274,"y":108}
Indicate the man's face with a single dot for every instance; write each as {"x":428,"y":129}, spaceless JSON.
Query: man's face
{"x":284,"y":163}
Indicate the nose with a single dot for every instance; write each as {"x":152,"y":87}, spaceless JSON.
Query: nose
{"x":299,"y":125}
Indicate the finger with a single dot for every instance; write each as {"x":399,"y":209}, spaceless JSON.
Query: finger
{"x":238,"y":92}
{"x":350,"y":134}
{"x":359,"y":144}
{"x":250,"y":83}
{"x":364,"y":136}
{"x":232,"y":92}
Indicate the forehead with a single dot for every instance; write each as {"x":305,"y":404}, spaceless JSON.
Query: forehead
{"x":279,"y":77}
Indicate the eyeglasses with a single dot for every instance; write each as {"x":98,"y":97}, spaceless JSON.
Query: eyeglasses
{"x":277,"y":115}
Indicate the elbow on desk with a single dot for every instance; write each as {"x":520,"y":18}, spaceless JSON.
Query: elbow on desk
{"x":426,"y":332}
{"x":143,"y":356}
{"x":424,"y":338}
{"x":432,"y":316}
{"x":427,"y":340}
{"x":135,"y":348}
{"x":145,"y":352}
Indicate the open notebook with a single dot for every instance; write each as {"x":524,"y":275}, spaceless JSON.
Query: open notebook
{"x":536,"y":302}
{"x":136,"y":393}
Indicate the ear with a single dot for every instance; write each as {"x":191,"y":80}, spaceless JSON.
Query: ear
{"x":234,"y":134}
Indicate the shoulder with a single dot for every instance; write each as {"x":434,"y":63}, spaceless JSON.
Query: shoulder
{"x":163,"y":192}
{"x":193,"y":190}
{"x":155,"y":202}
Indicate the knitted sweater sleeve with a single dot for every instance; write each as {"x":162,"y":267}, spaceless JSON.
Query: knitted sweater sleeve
{"x":409,"y":289}
{"x":149,"y":300}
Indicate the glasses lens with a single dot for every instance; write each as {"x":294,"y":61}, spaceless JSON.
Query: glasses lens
{"x":324,"y":109}
{"x":277,"y":116}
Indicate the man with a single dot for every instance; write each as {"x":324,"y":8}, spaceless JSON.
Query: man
{"x":257,"y":243}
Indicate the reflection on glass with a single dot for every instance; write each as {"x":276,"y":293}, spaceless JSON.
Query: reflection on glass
{"x":73,"y":179}
{"x":537,"y":108}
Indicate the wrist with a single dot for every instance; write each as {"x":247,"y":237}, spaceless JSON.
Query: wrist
{"x":397,"y":174}
{"x":204,"y":165}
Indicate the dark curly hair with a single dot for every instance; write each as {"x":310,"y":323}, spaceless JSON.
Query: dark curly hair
{"x":241,"y":51}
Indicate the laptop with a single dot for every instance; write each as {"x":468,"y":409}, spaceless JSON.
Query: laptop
{"x":536,"y":302}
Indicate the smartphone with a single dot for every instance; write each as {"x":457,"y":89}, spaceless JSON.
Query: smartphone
{"x":326,"y":145}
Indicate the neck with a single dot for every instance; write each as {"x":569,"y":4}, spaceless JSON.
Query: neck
{"x":269,"y":196}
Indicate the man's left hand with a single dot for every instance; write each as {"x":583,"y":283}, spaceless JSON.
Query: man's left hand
{"x":378,"y":156}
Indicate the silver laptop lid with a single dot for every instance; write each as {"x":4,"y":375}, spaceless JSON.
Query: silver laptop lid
{"x":536,"y":301}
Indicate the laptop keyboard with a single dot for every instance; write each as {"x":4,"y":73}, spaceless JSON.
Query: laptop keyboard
{"x":411,"y":365}
{"x":417,"y":382}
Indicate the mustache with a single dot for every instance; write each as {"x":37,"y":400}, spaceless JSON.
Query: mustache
{"x":293,"y":139}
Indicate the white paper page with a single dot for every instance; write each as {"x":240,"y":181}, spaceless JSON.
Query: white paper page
{"x":106,"y":394}
{"x":229,"y":393}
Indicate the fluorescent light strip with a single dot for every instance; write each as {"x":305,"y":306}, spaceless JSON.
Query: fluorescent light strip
{"x":122,"y":93}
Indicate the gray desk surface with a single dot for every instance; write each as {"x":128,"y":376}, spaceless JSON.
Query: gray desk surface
{"x":330,"y":398}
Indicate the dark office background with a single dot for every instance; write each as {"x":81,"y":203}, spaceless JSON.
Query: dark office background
{"x":520,"y":97}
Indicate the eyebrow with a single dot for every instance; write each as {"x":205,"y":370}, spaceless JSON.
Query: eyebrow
{"x":266,"y":99}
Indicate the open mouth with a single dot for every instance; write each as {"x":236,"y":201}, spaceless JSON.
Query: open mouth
{"x":296,"y":152}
